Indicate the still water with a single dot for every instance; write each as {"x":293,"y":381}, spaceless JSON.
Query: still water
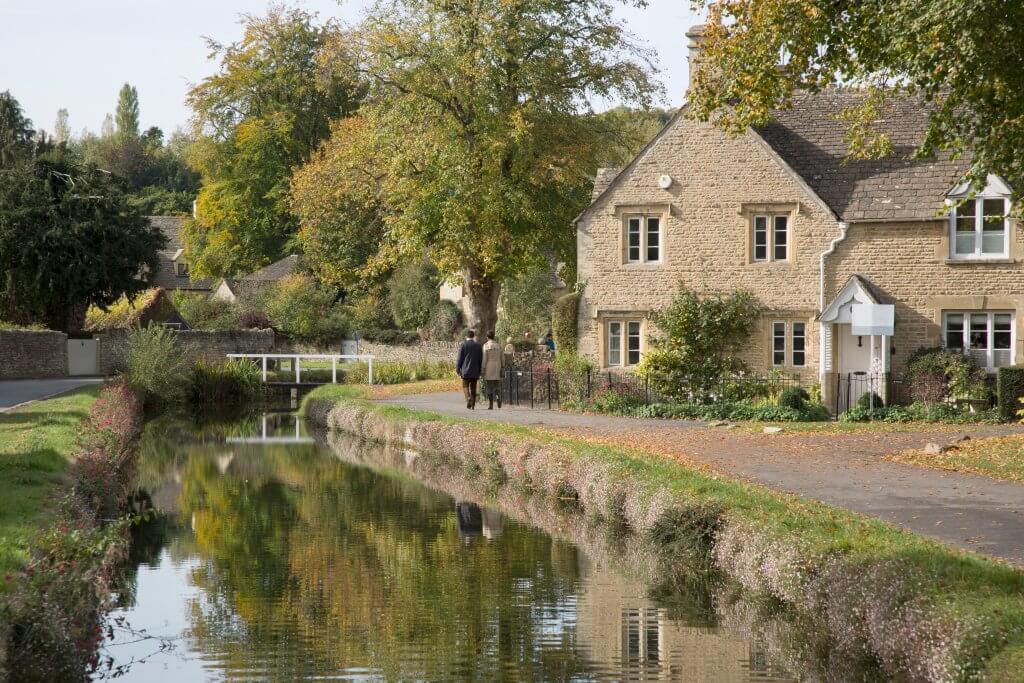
{"x":276,"y":560}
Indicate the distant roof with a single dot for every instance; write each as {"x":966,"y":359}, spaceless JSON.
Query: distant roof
{"x":602,"y":180}
{"x":275,"y":271}
{"x":812,"y":141}
{"x":167,"y":274}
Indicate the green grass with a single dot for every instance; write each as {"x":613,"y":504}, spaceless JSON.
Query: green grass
{"x":960,"y":584}
{"x":998,"y":457}
{"x":36,"y":443}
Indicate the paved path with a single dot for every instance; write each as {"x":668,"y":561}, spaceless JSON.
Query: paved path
{"x":846,"y":470}
{"x":15,"y":392}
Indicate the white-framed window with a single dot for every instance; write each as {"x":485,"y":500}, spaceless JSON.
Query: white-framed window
{"x":980,"y":228}
{"x":644,"y":243}
{"x":624,"y":342}
{"x":181,"y":268}
{"x":985,"y":336}
{"x":778,"y":344}
{"x":770,"y":238}
{"x":798,"y":333}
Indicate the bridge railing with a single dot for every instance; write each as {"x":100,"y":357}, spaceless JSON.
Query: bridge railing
{"x":297,"y":359}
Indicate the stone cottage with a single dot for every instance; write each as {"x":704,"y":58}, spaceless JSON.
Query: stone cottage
{"x":857,"y":263}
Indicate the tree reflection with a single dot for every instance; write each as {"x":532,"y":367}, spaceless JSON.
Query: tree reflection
{"x":310,"y":565}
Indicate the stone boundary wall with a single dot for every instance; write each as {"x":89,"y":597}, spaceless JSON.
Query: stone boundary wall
{"x":410,"y":353}
{"x":198,"y":344}
{"x":30,"y":354}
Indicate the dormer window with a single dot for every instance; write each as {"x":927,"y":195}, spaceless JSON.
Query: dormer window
{"x":181,"y":268}
{"x":980,"y":224}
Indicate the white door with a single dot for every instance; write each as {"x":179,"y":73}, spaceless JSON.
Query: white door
{"x":854,"y":352}
{"x":83,"y":357}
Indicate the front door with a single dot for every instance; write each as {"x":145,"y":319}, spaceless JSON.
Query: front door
{"x":854,"y":367}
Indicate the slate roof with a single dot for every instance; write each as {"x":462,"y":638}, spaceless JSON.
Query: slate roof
{"x":810,"y":139}
{"x":167,"y":276}
{"x":275,"y":271}
{"x":602,"y":180}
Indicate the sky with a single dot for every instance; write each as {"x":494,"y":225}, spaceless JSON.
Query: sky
{"x":76,"y":54}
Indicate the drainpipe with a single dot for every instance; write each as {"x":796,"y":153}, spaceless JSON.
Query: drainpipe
{"x":843,"y":226}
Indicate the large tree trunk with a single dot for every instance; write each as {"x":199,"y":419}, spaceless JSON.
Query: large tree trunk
{"x":482,"y":292}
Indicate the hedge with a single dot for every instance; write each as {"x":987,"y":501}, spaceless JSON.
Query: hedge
{"x":1009,"y":389}
{"x":563,"y":322}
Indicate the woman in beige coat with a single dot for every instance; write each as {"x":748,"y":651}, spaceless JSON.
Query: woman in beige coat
{"x":491,"y":371}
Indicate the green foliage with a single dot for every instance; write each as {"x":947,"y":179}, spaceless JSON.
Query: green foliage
{"x":939,"y":374}
{"x":34,"y":327}
{"x":526,"y":303}
{"x":745,"y":410}
{"x":563,"y":322}
{"x":260,"y":116}
{"x":399,"y":372}
{"x":203,"y":312}
{"x":413,"y":294}
{"x":370,"y":313}
{"x":920,"y":412}
{"x":236,"y":381}
{"x":473,"y":141}
{"x":69,"y":240}
{"x":156,"y":367}
{"x":127,"y":115}
{"x":160,"y":201}
{"x":300,"y":309}
{"x":572,"y":371}
{"x":630,"y":131}
{"x":391,"y":336}
{"x":445,"y":321}
{"x":15,"y":131}
{"x":1009,"y":391}
{"x":794,"y":397}
{"x":698,"y":339}
{"x":944,"y":52}
{"x":869,"y":400}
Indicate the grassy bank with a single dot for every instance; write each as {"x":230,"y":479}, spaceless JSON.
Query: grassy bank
{"x":36,"y":445}
{"x":920,"y":609}
{"x":999,"y":457}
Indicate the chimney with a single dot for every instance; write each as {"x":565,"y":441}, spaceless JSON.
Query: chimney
{"x":695,"y":47}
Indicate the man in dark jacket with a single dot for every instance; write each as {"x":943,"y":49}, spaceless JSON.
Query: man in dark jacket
{"x":468,"y":365}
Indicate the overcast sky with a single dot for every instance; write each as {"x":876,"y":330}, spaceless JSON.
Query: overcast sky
{"x":76,"y":54}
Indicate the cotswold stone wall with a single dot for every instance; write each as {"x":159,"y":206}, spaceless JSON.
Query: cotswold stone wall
{"x":909,"y":266}
{"x":719,"y":183}
{"x":209,"y":346}
{"x":33,"y":355}
{"x":409,"y":353}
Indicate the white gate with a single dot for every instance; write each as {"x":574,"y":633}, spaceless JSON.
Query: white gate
{"x":83,"y":357}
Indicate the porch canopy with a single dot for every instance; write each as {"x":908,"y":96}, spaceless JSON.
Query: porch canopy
{"x":872,"y":319}
{"x":857,"y":306}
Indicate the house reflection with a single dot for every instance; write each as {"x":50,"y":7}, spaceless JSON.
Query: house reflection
{"x":471,"y":521}
{"x":626,"y":635}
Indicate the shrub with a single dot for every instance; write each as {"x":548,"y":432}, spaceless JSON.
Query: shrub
{"x":870,"y":399}
{"x":391,"y":336}
{"x":398,"y":372}
{"x":616,"y":399}
{"x":920,"y":412}
{"x":1009,"y":390}
{"x":203,"y":312}
{"x":370,"y":313}
{"x":938,"y":374}
{"x":793,"y":397}
{"x":563,"y":322}
{"x":572,"y":371}
{"x":412,"y":294}
{"x":525,"y":302}
{"x":445,"y":321}
{"x":254,"y":320}
{"x":156,"y":365}
{"x":699,"y":338}
{"x":303,"y":311}
{"x":236,"y":381}
{"x":745,"y":410}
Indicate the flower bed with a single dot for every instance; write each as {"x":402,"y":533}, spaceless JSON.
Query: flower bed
{"x":50,"y":613}
{"x":861,"y":590}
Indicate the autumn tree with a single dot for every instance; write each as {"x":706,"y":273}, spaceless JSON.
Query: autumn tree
{"x":964,"y":59}
{"x":475,"y":141}
{"x":261,"y":115}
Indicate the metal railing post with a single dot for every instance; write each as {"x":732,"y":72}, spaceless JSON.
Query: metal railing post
{"x":549,"y":388}
{"x":370,"y":373}
{"x":298,"y":370}
{"x":264,"y":369}
{"x":334,"y":370}
{"x":589,"y":388}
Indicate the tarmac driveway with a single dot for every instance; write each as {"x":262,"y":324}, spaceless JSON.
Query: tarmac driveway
{"x":16,"y":392}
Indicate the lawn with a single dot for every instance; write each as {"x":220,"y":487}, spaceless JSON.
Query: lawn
{"x":36,"y":443}
{"x":1000,"y":457}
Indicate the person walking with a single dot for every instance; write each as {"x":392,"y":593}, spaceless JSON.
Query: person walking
{"x":468,"y":365}
{"x":549,"y":342}
{"x":493,"y":365}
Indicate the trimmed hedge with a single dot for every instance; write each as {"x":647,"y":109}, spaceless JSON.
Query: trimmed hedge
{"x":1009,"y":390}
{"x":563,"y":322}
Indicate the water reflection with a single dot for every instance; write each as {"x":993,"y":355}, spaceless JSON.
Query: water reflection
{"x":278,"y":561}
